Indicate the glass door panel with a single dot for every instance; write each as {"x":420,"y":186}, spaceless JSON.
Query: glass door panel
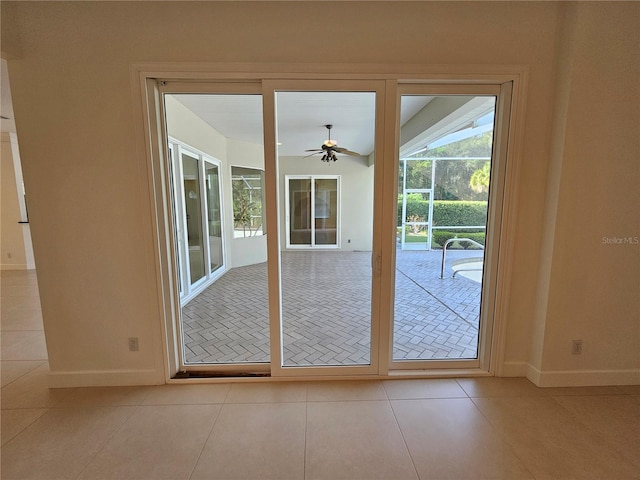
{"x":224,"y":315}
{"x":326,"y":211}
{"x":193,"y":216}
{"x":445,"y":165}
{"x":326,"y":291}
{"x":312,"y":223}
{"x":214,"y":216}
{"x":300,"y":211}
{"x":416,"y":208}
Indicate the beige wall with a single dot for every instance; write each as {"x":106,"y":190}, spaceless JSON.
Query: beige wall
{"x":70,"y":72}
{"x":593,"y":284}
{"x":15,"y":238}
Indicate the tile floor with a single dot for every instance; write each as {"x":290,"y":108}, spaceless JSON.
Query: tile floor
{"x":393,"y":429}
{"x":326,"y":303}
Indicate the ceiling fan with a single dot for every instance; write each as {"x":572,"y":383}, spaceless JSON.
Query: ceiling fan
{"x":330,"y":148}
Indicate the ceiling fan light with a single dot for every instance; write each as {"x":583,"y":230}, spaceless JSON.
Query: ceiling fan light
{"x":330,"y":143}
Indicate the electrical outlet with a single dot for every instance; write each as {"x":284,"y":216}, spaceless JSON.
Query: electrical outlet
{"x":133,"y":344}
{"x":576,"y":347}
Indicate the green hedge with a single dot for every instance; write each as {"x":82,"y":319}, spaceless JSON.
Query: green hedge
{"x":445,"y":212}
{"x":441,"y":236}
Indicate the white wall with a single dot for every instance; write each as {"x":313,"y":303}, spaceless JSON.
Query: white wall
{"x":249,"y":250}
{"x":89,"y":199}
{"x":184,"y":125}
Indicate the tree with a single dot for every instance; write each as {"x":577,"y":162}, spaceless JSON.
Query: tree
{"x":243,"y":208}
{"x":418,"y":174}
{"x":452,"y":180}
{"x":480,"y":178}
{"x":478,"y":146}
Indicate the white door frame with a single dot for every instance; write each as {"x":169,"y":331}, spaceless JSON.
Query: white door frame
{"x":189,"y":290}
{"x":274,"y":243}
{"x":496,"y":207}
{"x":147,"y":80}
{"x":287,"y":198}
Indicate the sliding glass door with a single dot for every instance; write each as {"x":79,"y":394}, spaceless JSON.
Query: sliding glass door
{"x":214,"y":216}
{"x":327,"y":173}
{"x":219,"y":231}
{"x":197,"y":209}
{"x":449,"y":193}
{"x":313,"y":207}
{"x":383,"y":203}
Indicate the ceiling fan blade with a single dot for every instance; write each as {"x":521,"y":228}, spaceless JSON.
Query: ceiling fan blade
{"x":344,"y":151}
{"x":312,"y":154}
{"x":314,"y":150}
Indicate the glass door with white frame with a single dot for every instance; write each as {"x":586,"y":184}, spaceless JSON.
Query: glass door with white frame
{"x":216,"y":143}
{"x":383,"y":242}
{"x":214,"y":216}
{"x":197,"y":215}
{"x":313,"y":206}
{"x":192,"y":217}
{"x":444,"y":263}
{"x":326,"y":145}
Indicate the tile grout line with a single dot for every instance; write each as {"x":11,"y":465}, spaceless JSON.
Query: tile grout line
{"x":25,"y":373}
{"x":501,"y":436}
{"x":28,"y":425}
{"x":406,"y":446}
{"x":462,"y":388}
{"x":206,"y":440}
{"x":108,"y":439}
{"x":395,"y":417}
{"x":213,"y":424}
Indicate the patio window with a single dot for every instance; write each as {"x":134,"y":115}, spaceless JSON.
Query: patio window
{"x":248,"y":212}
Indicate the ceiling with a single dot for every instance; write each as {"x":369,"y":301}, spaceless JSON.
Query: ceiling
{"x":300,"y":118}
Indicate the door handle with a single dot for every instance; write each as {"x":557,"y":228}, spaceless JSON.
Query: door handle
{"x":376,"y":264}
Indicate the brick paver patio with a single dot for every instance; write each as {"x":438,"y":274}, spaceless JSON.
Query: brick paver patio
{"x":325,"y":307}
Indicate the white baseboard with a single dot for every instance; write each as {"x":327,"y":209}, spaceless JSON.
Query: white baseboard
{"x":13,"y":266}
{"x":109,"y":378}
{"x":582,"y":378}
{"x":533,"y":374}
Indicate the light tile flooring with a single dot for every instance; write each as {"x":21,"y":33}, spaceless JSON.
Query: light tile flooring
{"x":326,"y":304}
{"x":393,"y":429}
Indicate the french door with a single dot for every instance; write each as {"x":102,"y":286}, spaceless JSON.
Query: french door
{"x":321,"y":286}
